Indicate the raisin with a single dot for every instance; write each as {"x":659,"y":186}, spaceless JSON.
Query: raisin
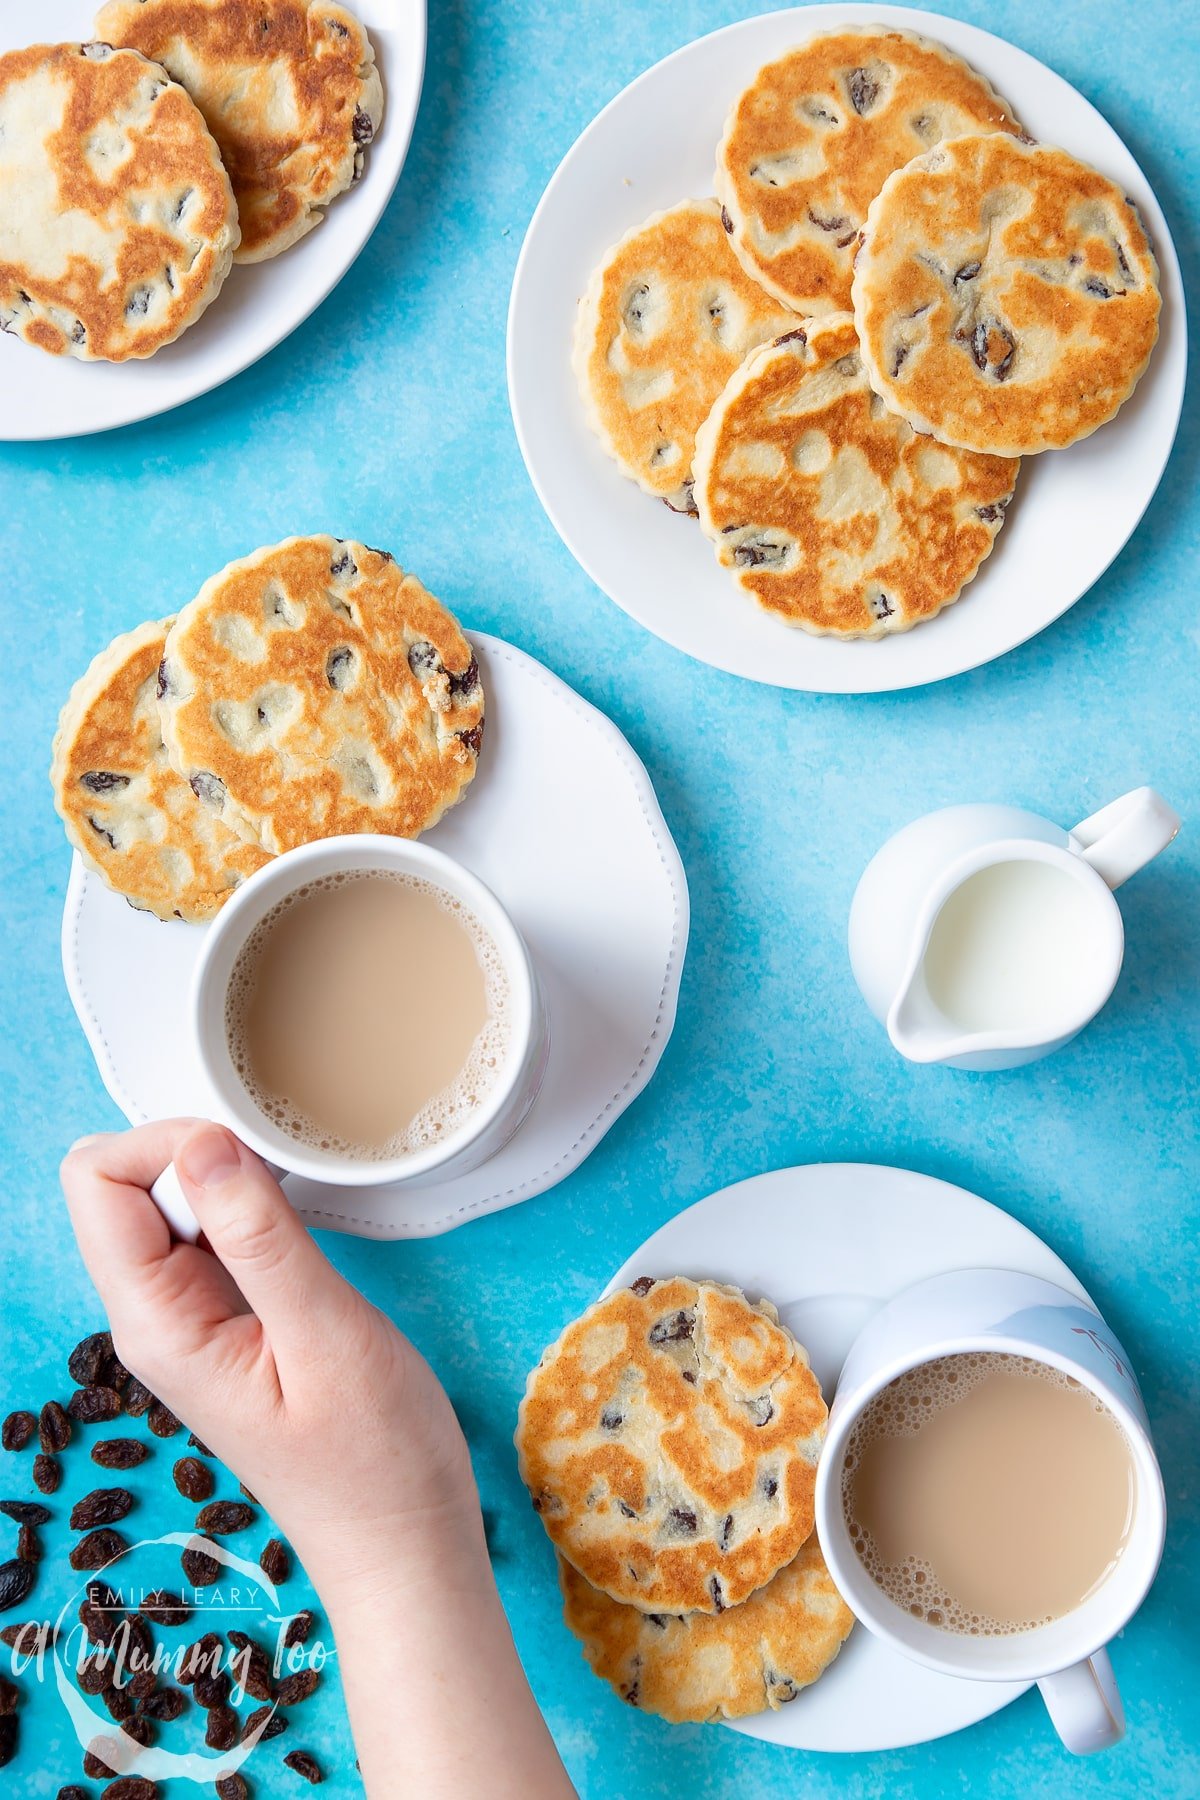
{"x":761,"y":1409}
{"x":830,"y":222}
{"x":862,"y":89}
{"x":195,"y":1443}
{"x":221,"y":1732}
{"x":120,"y":1453}
{"x":98,"y":1549}
{"x":29,"y":1545}
{"x":611,"y":1419}
{"x":88,"y":1358}
{"x":718,"y":1594}
{"x":201,"y":1569}
{"x":753,"y":553}
{"x":140,"y":1730}
{"x":673,"y":1328}
{"x":345,"y":565}
{"x":16,"y":1580}
{"x":362,"y":129}
{"x":339,"y":665}
{"x":643,"y":1284}
{"x":304,"y":1764}
{"x":295,"y":1688}
{"x":17,"y":1430}
{"x":95,"y":1405}
{"x":968,"y":271}
{"x":162,"y":1421}
{"x":193,"y":1479}
{"x":167,"y":1704}
{"x":298,"y":1629}
{"x":683,"y":1521}
{"x":8,"y":1738}
{"x":726,"y":221}
{"x":251,"y":1666}
{"x":93,"y":1675}
{"x":93,"y":1765}
{"x":47,"y":1473}
{"x":201,"y":1658}
{"x":232,"y":1787}
{"x":130,"y":1787}
{"x":769,"y":1486}
{"x":8,"y":1697}
{"x":25,"y":1512}
{"x":223,"y":1517}
{"x":165,"y":1608}
{"x":273,"y":1724}
{"x":120,"y":1703}
{"x":103,"y":1506}
{"x":211,"y":1690}
{"x":275,"y":1562}
{"x":468,"y":681}
{"x":72,"y":1792}
{"x":138,"y":1398}
{"x":29,"y":1638}
{"x":54,"y":1428}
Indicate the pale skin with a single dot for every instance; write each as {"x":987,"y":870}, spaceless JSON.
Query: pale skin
{"x":339,"y":1426}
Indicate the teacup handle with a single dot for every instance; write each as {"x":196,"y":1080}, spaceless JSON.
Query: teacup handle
{"x":168,"y":1195}
{"x":1085,"y":1705}
{"x":1122,"y":837}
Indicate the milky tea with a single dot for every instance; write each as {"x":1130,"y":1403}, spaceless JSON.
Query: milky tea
{"x":988,"y":1494}
{"x":368,"y":1015}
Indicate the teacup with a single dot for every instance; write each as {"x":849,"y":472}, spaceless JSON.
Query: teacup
{"x":992,"y":1310}
{"x":478,"y":1137}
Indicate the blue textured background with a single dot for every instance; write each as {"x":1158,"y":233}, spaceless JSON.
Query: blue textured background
{"x":385,"y":417}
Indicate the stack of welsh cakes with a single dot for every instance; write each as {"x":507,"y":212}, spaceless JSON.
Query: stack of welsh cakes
{"x":837,"y":362}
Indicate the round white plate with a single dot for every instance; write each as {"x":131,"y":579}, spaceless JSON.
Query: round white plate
{"x":655,"y":144}
{"x":829,"y":1243}
{"x":563,"y":824}
{"x":56,"y":397}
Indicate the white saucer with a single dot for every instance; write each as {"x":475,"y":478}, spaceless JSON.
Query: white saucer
{"x":261,"y":303}
{"x":829,"y":1243}
{"x":562,"y":822}
{"x":654,"y":145}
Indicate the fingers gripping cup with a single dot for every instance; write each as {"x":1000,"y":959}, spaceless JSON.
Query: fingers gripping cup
{"x":988,"y":1499}
{"x":366,"y":1013}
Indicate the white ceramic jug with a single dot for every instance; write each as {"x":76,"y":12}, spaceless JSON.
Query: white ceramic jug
{"x":984,"y":936}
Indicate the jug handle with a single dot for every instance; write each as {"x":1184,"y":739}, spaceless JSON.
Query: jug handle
{"x":1123,"y":836}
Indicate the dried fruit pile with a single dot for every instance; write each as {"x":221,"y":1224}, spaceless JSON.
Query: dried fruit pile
{"x":120,"y":1667}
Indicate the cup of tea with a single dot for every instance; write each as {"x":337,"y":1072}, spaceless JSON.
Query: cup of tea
{"x":365,"y":1013}
{"x":988,"y":1498}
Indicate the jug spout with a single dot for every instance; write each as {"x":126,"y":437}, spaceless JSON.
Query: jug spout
{"x":917,"y":1026}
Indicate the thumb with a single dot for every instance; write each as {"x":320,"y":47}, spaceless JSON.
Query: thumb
{"x":256,"y":1235}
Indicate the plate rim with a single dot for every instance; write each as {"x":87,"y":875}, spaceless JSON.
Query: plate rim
{"x":586,"y":1141}
{"x":920,"y":20}
{"x":998,"y":1695}
{"x":396,"y":139}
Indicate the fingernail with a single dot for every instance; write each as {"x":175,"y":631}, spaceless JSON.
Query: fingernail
{"x":209,"y":1158}
{"x":91,"y":1137}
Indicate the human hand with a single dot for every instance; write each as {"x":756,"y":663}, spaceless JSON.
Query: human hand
{"x":308,"y":1393}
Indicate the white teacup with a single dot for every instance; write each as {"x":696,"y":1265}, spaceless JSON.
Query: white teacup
{"x":485,"y":1131}
{"x":994,"y":1310}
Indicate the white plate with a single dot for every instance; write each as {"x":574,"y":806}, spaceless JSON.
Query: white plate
{"x":260,"y":303}
{"x":655,"y":144}
{"x":562,"y":823}
{"x":829,"y":1243}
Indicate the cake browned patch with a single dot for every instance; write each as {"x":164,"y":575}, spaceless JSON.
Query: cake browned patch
{"x":667,"y":317}
{"x":131,"y":817}
{"x":700,"y":1666}
{"x":290,"y":91}
{"x":117,"y":221}
{"x":669,"y":1441}
{"x":810,"y":142}
{"x":827,"y":509}
{"x":1006,"y":296}
{"x":314,"y":688}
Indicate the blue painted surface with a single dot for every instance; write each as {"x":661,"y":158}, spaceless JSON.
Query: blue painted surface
{"x":385,"y":417}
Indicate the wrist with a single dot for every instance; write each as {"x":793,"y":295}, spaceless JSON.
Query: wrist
{"x":397,"y":1560}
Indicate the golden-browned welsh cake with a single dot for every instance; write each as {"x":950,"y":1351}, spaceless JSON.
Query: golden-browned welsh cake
{"x":130,"y":816}
{"x":668,"y":316}
{"x":1006,"y":295}
{"x":669,"y":1441}
{"x":117,"y":220}
{"x":701,"y":1666}
{"x":811,"y":141}
{"x":314,"y":688}
{"x":827,"y":509}
{"x":290,"y":91}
